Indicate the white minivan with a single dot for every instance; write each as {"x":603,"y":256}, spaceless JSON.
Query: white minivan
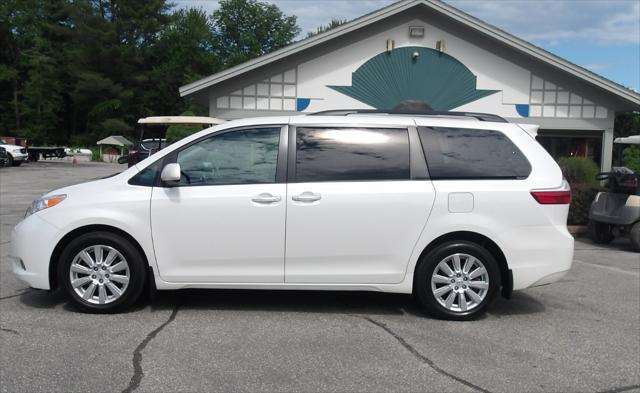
{"x":452,"y":208}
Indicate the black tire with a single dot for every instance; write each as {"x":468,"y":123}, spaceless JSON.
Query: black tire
{"x":135,"y":261}
{"x":422,"y":280}
{"x":599,"y":232}
{"x":634,"y":236}
{"x":9,"y":160}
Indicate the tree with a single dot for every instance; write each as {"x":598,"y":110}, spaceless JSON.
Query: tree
{"x":183,"y":54}
{"x":626,"y":123}
{"x":74,"y":71}
{"x":331,"y":25}
{"x":245,"y":29}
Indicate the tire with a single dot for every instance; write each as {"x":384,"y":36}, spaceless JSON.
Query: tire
{"x":98,"y":280}
{"x":466,"y":252}
{"x":9,"y":160}
{"x":599,"y":232}
{"x":634,"y":236}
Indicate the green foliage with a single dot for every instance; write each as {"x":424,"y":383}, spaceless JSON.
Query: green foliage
{"x":78,"y":70}
{"x":95,"y":153}
{"x":579,"y":170}
{"x":244,"y":29}
{"x":582,"y":195}
{"x":626,"y":123}
{"x":631,"y":158}
{"x":331,"y":25}
{"x":581,"y":173}
{"x":179,"y":131}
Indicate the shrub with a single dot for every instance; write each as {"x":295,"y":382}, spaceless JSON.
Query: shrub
{"x":579,"y":170}
{"x":631,"y":158}
{"x":582,"y":195}
{"x":581,"y":173}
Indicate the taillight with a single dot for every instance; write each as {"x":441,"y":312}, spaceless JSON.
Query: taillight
{"x":552,"y":197}
{"x":133,"y":152}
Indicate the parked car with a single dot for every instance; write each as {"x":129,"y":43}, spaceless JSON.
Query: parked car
{"x":16,"y":155}
{"x":3,"y":156}
{"x":452,"y":207}
{"x":145,"y":148}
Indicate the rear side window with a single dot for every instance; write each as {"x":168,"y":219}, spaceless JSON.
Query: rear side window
{"x":463,"y":153}
{"x":351,"y":154}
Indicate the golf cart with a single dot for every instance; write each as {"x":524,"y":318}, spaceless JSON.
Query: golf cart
{"x":616,"y":212}
{"x":151,"y":144}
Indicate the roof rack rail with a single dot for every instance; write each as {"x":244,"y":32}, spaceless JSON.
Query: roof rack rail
{"x":346,"y":112}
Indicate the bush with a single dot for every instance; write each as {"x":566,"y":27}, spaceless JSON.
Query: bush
{"x":581,"y":173}
{"x":631,"y":158}
{"x":582,"y":195}
{"x":579,"y":170}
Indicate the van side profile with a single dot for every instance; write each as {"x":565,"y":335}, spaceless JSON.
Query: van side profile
{"x":453,"y":208}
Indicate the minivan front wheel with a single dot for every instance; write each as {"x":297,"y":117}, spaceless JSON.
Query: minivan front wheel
{"x":457,"y":281}
{"x":101,"y":272}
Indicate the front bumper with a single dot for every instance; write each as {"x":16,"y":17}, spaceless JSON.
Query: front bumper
{"x":32,"y":243}
{"x":19,"y":157}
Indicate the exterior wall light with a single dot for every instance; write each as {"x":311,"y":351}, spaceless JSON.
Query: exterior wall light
{"x":414,"y":56}
{"x":391,"y":44}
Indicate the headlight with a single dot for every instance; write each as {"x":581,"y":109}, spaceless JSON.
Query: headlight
{"x":44,"y":203}
{"x":16,"y":150}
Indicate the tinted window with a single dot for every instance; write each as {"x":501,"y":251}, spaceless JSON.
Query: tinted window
{"x":461,"y":153}
{"x":330,"y":154}
{"x":237,"y":157}
{"x":147,"y":176}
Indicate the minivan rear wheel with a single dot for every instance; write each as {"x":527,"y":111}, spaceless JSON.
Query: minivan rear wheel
{"x":457,"y":280}
{"x":101,"y":272}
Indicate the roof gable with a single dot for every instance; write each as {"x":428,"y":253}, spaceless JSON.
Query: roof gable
{"x":435,"y":5}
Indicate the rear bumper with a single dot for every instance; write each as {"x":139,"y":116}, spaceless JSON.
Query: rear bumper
{"x":538,"y":255}
{"x":32,"y":243}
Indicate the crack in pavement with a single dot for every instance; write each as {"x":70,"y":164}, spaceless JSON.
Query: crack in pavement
{"x":10,"y":331}
{"x":22,"y":292}
{"x":621,"y":389}
{"x":420,"y":356}
{"x":137,"y":353}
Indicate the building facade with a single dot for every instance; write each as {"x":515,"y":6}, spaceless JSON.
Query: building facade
{"x":428,"y":51}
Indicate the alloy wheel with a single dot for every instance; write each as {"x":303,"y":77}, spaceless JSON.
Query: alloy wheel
{"x":460,"y":282}
{"x":99,"y":274}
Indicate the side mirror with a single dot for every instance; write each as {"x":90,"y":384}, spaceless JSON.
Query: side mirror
{"x":170,"y":174}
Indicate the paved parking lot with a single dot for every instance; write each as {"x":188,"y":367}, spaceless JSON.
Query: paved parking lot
{"x":579,"y":335}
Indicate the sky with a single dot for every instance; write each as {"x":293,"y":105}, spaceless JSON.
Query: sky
{"x":600,"y":35}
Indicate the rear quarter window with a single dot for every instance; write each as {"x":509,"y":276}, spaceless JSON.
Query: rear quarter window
{"x":465,"y":153}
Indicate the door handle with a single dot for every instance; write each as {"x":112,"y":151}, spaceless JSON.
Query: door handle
{"x":265,"y":197}
{"x":307,"y":196}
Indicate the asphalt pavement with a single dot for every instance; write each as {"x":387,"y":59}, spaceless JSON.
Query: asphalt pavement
{"x":581,"y":334}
